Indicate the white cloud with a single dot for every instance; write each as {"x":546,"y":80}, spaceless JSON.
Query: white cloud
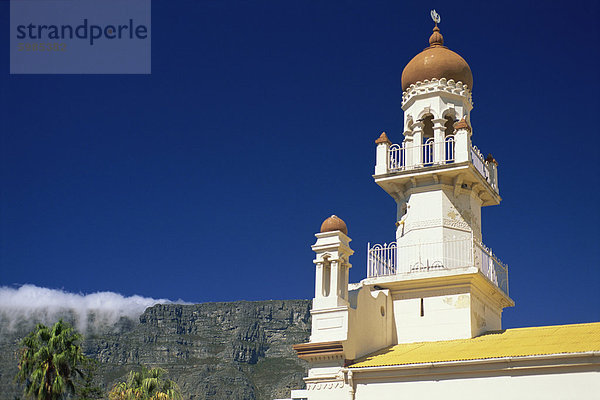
{"x":30,"y":304}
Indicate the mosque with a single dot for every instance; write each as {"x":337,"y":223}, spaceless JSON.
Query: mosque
{"x":426,"y":322}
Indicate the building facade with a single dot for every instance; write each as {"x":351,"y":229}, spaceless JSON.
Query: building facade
{"x":426,"y":322}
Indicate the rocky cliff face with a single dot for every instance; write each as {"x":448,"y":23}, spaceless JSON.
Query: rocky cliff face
{"x":237,"y":350}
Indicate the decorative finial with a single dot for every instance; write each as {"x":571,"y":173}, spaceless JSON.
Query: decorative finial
{"x":462,"y":124}
{"x":436,"y":38}
{"x":383,"y":139}
{"x":435,"y":17}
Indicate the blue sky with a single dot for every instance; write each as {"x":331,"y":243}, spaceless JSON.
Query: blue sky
{"x":207,"y":179}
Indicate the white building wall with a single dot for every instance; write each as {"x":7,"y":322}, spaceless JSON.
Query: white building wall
{"x":423,"y":212}
{"x":431,"y":207}
{"x":329,"y":324}
{"x":564,"y":386}
{"x":461,"y":213}
{"x":371,"y":325}
{"x":475,"y":207}
{"x":485,"y":317}
{"x":446,"y":315}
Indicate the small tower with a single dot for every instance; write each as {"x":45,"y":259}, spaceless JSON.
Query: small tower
{"x":445,"y":283}
{"x":332,"y":266}
{"x":348,"y":321}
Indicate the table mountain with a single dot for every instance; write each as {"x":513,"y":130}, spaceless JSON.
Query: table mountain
{"x":235,"y":350}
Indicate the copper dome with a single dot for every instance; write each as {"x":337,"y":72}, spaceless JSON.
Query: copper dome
{"x":437,"y":61}
{"x":334,"y":223}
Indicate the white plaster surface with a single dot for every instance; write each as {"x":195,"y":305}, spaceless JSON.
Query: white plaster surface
{"x":573,"y":385}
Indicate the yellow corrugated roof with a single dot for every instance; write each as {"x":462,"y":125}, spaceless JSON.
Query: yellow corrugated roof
{"x":517,"y":342}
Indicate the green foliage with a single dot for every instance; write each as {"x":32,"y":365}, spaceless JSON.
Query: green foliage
{"x":147,"y":384}
{"x":48,"y":361}
{"x":87,"y":388}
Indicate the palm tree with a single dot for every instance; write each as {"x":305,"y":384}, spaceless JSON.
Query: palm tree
{"x":147,"y":384}
{"x":88,"y":387}
{"x":48,"y":361}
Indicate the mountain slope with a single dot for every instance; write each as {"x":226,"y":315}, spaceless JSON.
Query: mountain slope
{"x":236,"y":350}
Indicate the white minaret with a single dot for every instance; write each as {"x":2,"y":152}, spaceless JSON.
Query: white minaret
{"x":436,"y":280}
{"x":446,"y":284}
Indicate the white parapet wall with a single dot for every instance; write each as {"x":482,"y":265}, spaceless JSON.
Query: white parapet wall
{"x":371,"y":326}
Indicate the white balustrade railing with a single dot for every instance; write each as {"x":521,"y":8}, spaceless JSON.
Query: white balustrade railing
{"x":403,"y":157}
{"x":485,"y":260}
{"x":382,"y":259}
{"x":397,"y":157}
{"x":450,"y":148}
{"x":485,"y":168}
{"x":391,"y":259}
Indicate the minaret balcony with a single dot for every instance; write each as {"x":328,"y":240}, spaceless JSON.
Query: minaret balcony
{"x":401,"y":166}
{"x":450,"y":257}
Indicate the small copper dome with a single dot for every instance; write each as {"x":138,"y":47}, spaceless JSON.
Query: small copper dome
{"x":334,"y":223}
{"x":437,"y":61}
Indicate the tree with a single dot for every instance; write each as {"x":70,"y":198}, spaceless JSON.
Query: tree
{"x":147,"y":384}
{"x":48,"y":361}
{"x":88,"y":388}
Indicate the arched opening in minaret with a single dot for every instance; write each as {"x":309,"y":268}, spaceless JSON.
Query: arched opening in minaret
{"x":449,"y":142}
{"x":428,"y":139}
{"x":342,"y":281}
{"x":326,"y":278}
{"x":427,"y":127}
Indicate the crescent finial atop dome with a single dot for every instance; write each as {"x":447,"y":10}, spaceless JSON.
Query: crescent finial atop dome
{"x":436,"y":38}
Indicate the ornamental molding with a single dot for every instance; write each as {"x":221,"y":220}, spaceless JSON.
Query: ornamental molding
{"x":325,"y":385}
{"x":322,"y":357}
{"x":436,"y":85}
{"x":430,"y":223}
{"x":438,"y":222}
{"x":457,"y":224}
